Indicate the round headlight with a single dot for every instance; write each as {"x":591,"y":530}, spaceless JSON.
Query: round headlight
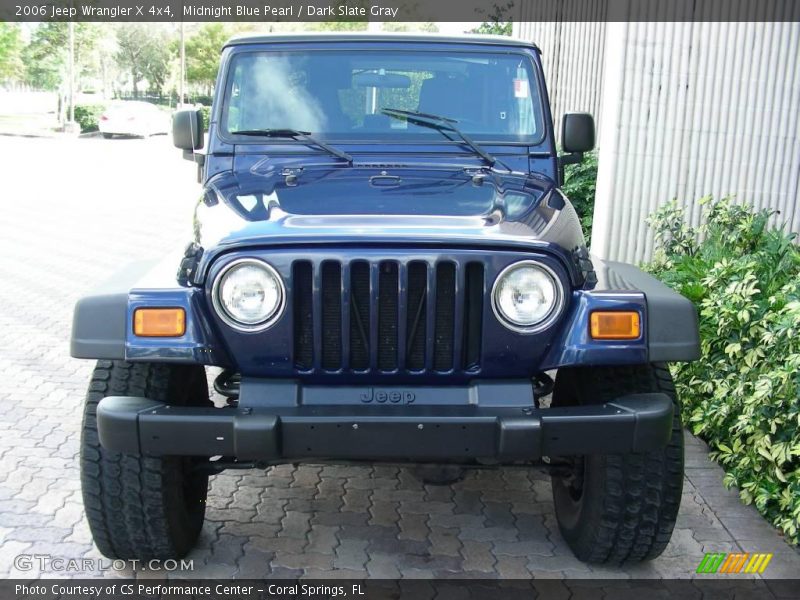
{"x":249,"y":295}
{"x":526,"y":296}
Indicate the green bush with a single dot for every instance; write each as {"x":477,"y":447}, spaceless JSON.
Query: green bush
{"x":743,"y":395}
{"x":87,"y":116}
{"x":579,"y":186}
{"x":206,"y":110}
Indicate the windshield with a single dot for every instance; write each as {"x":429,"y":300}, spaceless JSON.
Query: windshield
{"x":341,"y":94}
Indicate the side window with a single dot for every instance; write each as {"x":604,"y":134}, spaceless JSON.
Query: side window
{"x":235,"y":101}
{"x":526,"y":121}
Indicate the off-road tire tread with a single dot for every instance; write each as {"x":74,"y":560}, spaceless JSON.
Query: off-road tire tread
{"x":134,"y":503}
{"x":641,"y":492}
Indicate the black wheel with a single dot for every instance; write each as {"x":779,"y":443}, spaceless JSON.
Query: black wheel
{"x":619,"y":508}
{"x":108,"y":136}
{"x":141,"y":507}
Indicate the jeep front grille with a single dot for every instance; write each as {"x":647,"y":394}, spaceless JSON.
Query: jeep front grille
{"x":387,"y":315}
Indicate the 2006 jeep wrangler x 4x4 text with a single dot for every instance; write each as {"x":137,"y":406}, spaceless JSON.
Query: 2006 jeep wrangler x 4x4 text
{"x":384,"y":269}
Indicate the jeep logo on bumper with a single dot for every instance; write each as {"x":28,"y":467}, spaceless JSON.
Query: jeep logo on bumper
{"x":391,"y":396}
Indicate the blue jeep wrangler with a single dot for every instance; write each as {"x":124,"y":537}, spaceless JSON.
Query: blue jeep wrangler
{"x":383,"y":268}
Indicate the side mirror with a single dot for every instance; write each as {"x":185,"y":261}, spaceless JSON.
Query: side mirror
{"x":187,"y":130}
{"x":577,"y":137}
{"x":577,"y":132}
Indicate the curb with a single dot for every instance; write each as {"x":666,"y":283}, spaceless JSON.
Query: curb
{"x":30,"y":135}
{"x":50,"y":135}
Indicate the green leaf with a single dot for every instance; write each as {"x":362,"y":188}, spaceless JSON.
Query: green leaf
{"x":743,"y":395}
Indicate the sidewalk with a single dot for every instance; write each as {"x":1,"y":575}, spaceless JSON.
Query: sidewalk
{"x":29,"y":114}
{"x":31,"y":125}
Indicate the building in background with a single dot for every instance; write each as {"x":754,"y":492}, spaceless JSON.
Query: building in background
{"x":683,"y":110}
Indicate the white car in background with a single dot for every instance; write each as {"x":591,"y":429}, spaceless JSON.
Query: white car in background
{"x":140,"y":119}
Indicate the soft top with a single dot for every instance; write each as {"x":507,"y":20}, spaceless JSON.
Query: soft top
{"x":278,"y":38}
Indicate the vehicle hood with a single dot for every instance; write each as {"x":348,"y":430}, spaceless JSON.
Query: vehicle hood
{"x":277,"y":204}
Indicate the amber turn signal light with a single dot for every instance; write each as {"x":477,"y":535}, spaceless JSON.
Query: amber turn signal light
{"x":159,"y":322}
{"x":615,"y":325}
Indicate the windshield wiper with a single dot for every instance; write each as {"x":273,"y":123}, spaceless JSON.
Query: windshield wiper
{"x":442,"y":124}
{"x":296,"y":133}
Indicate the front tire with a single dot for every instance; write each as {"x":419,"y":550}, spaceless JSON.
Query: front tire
{"x":614,"y":509}
{"x":141,"y":507}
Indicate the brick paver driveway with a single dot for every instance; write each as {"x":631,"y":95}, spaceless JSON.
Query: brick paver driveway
{"x":71,"y":213}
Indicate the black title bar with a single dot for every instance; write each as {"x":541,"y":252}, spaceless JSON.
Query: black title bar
{"x":400,"y":10}
{"x":382,"y":589}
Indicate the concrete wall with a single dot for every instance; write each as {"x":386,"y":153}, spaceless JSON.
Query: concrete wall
{"x":574,"y":75}
{"x":685,"y":110}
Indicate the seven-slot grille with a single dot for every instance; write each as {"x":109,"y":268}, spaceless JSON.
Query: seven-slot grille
{"x":387,"y":315}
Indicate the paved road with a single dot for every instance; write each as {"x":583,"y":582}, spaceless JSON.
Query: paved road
{"x":72,"y":212}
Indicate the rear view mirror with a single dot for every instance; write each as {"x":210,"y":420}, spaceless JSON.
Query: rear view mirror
{"x":187,"y":130}
{"x":381,"y":80}
{"x":577,"y":132}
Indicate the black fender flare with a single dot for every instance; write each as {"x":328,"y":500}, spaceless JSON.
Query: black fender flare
{"x":673,"y":332}
{"x":99,"y":319}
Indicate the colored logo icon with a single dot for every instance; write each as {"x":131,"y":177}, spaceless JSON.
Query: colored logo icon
{"x":722,"y":562}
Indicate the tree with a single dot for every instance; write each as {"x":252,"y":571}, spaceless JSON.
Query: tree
{"x":338,"y":26}
{"x":202,"y":54}
{"x":158,"y":64}
{"x":46,"y":55}
{"x":494,"y":28}
{"x":10,"y":52}
{"x":143,"y":51}
{"x":399,"y":26}
{"x":498,"y":22}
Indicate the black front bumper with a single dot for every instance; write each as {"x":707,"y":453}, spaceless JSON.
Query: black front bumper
{"x":634,"y":423}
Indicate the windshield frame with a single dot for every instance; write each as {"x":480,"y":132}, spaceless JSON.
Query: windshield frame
{"x":540,"y":108}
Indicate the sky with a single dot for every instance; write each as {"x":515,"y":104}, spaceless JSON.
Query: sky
{"x":456,"y":28}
